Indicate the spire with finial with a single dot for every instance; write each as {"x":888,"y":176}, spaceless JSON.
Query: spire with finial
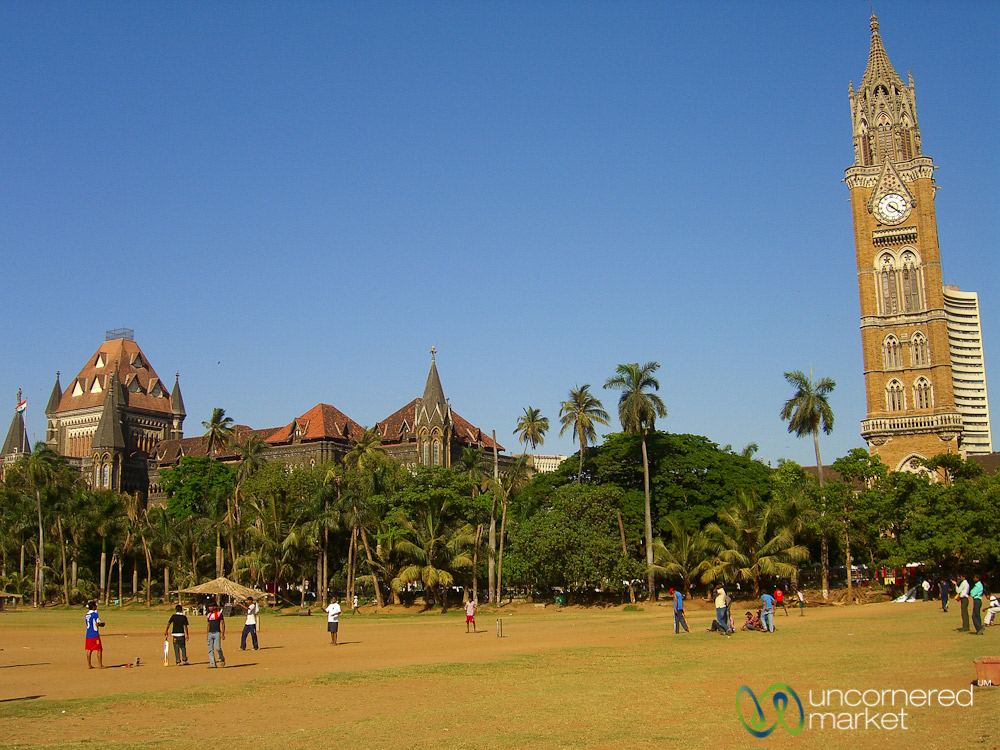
{"x":879,"y":68}
{"x":433,"y":352}
{"x":17,"y":443}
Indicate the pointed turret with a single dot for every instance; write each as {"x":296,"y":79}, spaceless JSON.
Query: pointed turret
{"x":433,"y":422}
{"x":54,"y":398}
{"x":17,"y":443}
{"x":109,"y":434}
{"x":177,"y":407}
{"x":883,"y":110}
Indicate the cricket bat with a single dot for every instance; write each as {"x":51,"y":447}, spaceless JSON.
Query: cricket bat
{"x":166,"y":648}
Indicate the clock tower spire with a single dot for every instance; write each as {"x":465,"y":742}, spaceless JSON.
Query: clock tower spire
{"x":904,"y":329}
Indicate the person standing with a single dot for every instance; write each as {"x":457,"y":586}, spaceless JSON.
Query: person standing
{"x":802,"y":602}
{"x":470,"y":614}
{"x":216,"y":635}
{"x":779,"y":600}
{"x":355,"y":602}
{"x":926,"y":586}
{"x":977,"y":604}
{"x":943,"y":587}
{"x":767,"y":612}
{"x":680,"y":621}
{"x":332,"y":619}
{"x":722,"y":609}
{"x":92,"y":642}
{"x":250,"y":626}
{"x":962,"y":593}
{"x":177,"y":628}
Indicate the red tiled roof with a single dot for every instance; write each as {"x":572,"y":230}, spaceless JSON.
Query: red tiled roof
{"x":127,"y":354}
{"x":392,"y":427}
{"x":322,"y":422}
{"x":170,"y":451}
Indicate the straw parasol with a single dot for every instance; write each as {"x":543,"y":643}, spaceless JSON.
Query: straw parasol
{"x":225,"y":587}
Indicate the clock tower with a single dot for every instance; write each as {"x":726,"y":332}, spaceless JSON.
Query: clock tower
{"x":909,"y":384}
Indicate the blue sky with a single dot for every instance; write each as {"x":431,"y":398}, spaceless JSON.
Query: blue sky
{"x":291,"y":203}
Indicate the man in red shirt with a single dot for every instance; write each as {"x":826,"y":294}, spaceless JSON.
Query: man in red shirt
{"x":779,"y":600}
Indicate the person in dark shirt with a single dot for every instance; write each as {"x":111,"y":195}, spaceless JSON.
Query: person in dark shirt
{"x":177,"y":627}
{"x":216,"y":635}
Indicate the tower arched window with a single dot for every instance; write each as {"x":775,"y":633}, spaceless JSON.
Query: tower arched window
{"x":427,"y":454}
{"x":97,"y":474}
{"x":895,"y":396}
{"x":922,"y":395}
{"x":920,"y":350}
{"x":106,"y":480}
{"x":911,"y":282}
{"x":891,"y":352}
{"x":436,"y":450}
{"x":887,"y":283}
{"x":864,"y":144}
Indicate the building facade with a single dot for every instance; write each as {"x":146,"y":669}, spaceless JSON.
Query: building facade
{"x":910,"y":380}
{"x":968,"y":369}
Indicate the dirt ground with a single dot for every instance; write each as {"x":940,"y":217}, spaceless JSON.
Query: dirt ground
{"x":575,"y":677}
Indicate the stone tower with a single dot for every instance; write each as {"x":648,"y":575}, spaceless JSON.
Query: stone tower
{"x":433,"y":423}
{"x":904,"y":328}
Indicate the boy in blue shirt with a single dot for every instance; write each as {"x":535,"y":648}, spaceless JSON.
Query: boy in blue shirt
{"x":680,"y":621}
{"x":767,"y":612}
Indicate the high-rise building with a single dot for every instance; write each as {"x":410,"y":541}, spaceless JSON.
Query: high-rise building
{"x":968,"y":369}
{"x":919,"y":402}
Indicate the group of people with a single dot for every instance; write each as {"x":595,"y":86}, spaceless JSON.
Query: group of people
{"x":723,"y":622}
{"x":964,"y":592}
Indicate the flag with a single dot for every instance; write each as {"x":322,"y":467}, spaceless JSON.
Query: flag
{"x":22,"y":406}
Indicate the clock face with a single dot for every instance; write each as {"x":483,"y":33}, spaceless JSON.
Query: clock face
{"x":892,"y":208}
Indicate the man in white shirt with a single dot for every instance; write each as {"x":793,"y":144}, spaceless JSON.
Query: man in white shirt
{"x":332,"y":617}
{"x":926,"y":586}
{"x":993,"y":610}
{"x":250,"y":627}
{"x":963,"y":599}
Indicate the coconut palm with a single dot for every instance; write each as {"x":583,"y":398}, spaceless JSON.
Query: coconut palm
{"x":40,"y":465}
{"x":685,"y":556}
{"x":638,"y":409}
{"x":807,"y":412}
{"x":218,"y":431}
{"x":753,"y":538}
{"x":581,"y":413}
{"x":531,"y":428}
{"x":504,"y":488}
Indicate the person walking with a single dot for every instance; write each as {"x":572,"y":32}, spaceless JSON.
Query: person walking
{"x":470,"y":614}
{"x":177,"y":628}
{"x":779,"y":600}
{"x":767,"y":612}
{"x":962,"y":594}
{"x":943,"y":587}
{"x":250,"y":626}
{"x":92,"y":642}
{"x":216,"y":635}
{"x":680,"y":621}
{"x":802,"y":602}
{"x":977,"y":604}
{"x":332,"y":619}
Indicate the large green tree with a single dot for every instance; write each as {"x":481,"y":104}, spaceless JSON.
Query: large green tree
{"x":638,"y":408}
{"x":807,"y":412}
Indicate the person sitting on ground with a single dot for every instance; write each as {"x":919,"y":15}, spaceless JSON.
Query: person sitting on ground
{"x":752,"y":622}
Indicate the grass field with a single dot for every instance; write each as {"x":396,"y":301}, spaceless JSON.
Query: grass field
{"x":570,"y":678}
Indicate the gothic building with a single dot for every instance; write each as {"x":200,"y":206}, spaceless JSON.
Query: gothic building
{"x":921,"y":399}
{"x":112,"y":417}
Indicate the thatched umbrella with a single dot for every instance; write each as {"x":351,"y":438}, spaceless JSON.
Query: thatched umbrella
{"x":225,"y":587}
{"x":4,"y":595}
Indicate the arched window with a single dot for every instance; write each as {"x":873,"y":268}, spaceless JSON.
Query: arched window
{"x":887,"y":280}
{"x":922,"y":396}
{"x":865,"y":144}
{"x":895,"y":397}
{"x":890,"y":352}
{"x":427,"y":454}
{"x":911,"y":283}
{"x":437,"y":453}
{"x":106,"y":482}
{"x":97,"y":474}
{"x":920,"y":350}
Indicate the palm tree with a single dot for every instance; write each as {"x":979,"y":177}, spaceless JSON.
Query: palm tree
{"x":638,"y":409}
{"x":686,"y":556}
{"x":531,"y":428}
{"x":806,"y":413}
{"x":581,"y":413}
{"x":504,"y":488}
{"x":252,"y":450}
{"x":39,"y":468}
{"x":218,"y":431}
{"x":753,"y":539}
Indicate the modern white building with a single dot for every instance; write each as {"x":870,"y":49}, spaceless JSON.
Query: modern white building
{"x":968,"y":368}
{"x":546,"y":464}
